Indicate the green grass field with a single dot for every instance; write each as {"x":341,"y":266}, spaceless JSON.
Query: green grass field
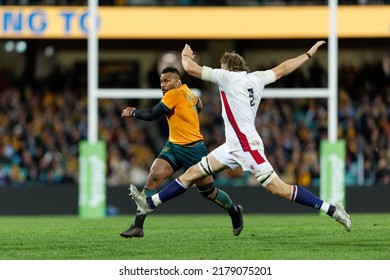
{"x":196,"y":237}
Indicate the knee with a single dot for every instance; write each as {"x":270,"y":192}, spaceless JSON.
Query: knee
{"x":156,"y":176}
{"x":192,"y":175}
{"x":275,"y":190}
{"x":281,"y":189}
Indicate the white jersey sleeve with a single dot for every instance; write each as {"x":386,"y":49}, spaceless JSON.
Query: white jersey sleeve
{"x":268,"y":76}
{"x":207,"y":73}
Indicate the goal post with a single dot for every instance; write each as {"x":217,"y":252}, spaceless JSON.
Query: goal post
{"x":92,"y":193}
{"x":332,"y":150}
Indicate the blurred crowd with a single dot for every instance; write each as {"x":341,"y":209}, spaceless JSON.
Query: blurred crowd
{"x":190,"y":2}
{"x":42,"y":124}
{"x":41,"y":127}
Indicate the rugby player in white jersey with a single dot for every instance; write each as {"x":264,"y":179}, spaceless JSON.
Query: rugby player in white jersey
{"x":241,"y":93}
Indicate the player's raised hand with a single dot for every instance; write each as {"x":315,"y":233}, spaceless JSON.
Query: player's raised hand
{"x":314,"y":48}
{"x":187,"y":51}
{"x":128,"y":112}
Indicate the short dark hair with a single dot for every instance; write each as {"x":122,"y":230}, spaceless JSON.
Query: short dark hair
{"x":171,"y":69}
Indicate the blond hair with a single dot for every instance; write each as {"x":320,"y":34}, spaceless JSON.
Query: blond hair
{"x":234,"y":62}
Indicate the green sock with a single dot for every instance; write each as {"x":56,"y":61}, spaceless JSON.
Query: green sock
{"x":223,"y":200}
{"x":148,"y":192}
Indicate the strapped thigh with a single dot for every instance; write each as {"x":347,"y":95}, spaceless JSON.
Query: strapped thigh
{"x":265,"y":177}
{"x":204,"y":166}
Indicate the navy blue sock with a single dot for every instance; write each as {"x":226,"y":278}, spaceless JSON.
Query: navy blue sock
{"x":173,"y":190}
{"x":305,"y":197}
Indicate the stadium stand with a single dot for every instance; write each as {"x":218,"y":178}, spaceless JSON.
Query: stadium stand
{"x":42,"y":124}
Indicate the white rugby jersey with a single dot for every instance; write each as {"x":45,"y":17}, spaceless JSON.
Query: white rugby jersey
{"x":241,"y":94}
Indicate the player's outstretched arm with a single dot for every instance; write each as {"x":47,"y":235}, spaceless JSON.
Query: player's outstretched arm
{"x":292,"y":64}
{"x":190,"y":66}
{"x":147,"y":114}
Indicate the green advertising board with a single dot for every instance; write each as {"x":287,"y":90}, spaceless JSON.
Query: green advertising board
{"x":332,"y":176}
{"x":92,"y":180}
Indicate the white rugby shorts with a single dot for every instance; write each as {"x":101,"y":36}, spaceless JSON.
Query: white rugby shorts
{"x":253,"y":161}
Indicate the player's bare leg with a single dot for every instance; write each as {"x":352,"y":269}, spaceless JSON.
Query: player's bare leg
{"x":205,"y":186}
{"x":303,"y":196}
{"x":159,"y":171}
